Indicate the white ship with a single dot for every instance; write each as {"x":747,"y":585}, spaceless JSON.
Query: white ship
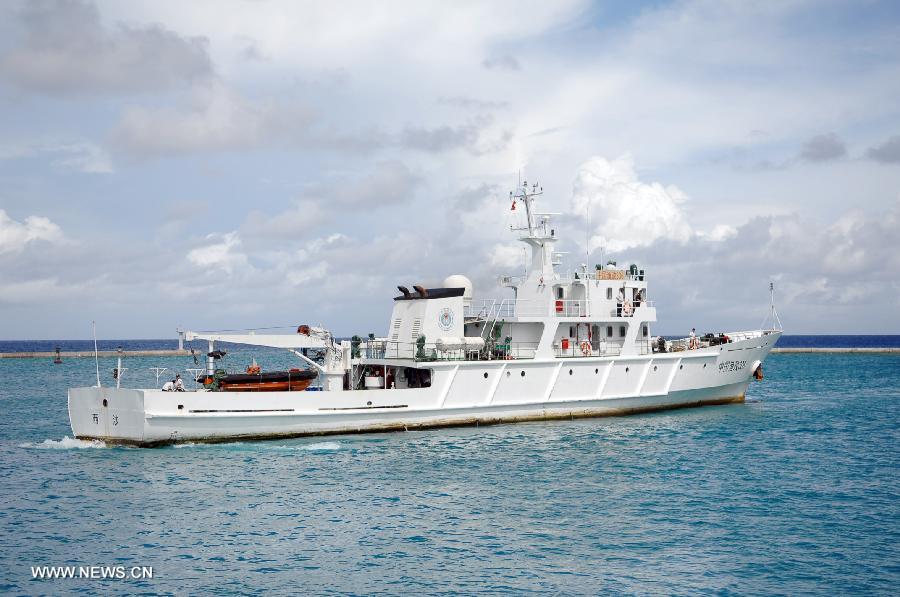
{"x":568,"y":344}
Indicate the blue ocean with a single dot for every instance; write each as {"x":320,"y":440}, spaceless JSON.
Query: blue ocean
{"x":795,"y":491}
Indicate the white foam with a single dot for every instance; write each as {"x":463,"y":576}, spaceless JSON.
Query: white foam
{"x":317,"y":447}
{"x":322,"y":446}
{"x":66,"y":443}
{"x":206,"y":444}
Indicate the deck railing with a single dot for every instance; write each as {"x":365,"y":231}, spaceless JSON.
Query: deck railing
{"x":705,"y":341}
{"x":576,"y":350}
{"x":429,"y":351}
{"x":490,"y":309}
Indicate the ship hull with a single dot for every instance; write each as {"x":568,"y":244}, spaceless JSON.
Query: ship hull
{"x":461,"y":393}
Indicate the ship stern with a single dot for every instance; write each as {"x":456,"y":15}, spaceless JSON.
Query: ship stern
{"x":114,"y":415}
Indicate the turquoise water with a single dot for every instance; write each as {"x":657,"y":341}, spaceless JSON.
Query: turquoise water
{"x":795,"y":491}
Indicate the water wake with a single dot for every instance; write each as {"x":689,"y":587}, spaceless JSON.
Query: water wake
{"x":321,"y":447}
{"x":66,"y":443}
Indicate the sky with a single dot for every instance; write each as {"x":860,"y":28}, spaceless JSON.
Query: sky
{"x":227,"y":165}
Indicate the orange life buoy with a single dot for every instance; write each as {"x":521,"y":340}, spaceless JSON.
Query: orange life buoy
{"x":586,"y":348}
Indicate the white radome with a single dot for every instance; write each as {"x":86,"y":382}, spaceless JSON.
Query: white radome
{"x":460,"y":281}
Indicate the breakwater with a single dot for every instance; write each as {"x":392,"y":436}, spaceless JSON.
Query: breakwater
{"x":90,"y":353}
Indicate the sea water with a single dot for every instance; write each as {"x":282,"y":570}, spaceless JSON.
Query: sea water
{"x":797,"y":490}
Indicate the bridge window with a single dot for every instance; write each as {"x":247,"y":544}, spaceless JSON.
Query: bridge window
{"x":609,"y":331}
{"x":609,"y":294}
{"x":622,"y":331}
{"x":646,"y":331}
{"x":571,"y":331}
{"x":559,"y":292}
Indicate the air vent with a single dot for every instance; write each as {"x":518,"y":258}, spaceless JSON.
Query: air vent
{"x":395,"y":330}
{"x":416,"y":328}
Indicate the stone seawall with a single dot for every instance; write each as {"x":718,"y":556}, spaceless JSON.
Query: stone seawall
{"x":90,"y":353}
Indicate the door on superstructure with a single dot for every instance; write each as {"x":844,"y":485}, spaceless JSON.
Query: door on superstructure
{"x":578,"y":297}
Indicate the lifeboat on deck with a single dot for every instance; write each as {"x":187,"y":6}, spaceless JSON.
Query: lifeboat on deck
{"x":270,"y":381}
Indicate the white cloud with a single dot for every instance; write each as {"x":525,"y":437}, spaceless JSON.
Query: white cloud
{"x":388,"y":182}
{"x":719,"y":233}
{"x":217,"y":119}
{"x":224,"y":254}
{"x":87,"y":158}
{"x":300,"y":276}
{"x":624,"y":211}
{"x":79,"y":156}
{"x":292,"y":223}
{"x":344,"y":114}
{"x":15,"y":236}
{"x":508,"y":256}
{"x":67,"y":50}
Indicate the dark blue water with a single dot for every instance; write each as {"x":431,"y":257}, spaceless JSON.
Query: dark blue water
{"x":883,"y":341}
{"x":796,"y":491}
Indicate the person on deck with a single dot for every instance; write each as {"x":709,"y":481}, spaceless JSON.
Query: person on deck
{"x":169,"y":386}
{"x":179,"y":383}
{"x":693,"y":342}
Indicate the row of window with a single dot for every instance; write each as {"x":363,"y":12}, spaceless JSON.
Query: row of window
{"x":609,"y":331}
{"x":560,"y":294}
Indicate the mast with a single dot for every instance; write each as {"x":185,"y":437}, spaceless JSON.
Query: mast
{"x":535,"y":234}
{"x":776,"y":321}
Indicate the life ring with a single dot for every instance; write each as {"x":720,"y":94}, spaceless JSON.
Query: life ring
{"x":757,"y":371}
{"x":586,"y":348}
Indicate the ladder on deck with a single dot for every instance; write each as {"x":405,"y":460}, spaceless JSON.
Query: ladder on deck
{"x":492,"y":314}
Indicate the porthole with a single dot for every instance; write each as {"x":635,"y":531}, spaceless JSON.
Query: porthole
{"x":180,"y":407}
{"x":626,"y":369}
{"x":369,"y":403}
{"x":570,"y":372}
{"x":654,"y":367}
{"x":105,"y":403}
{"x":596,"y":371}
{"x":508,"y":374}
{"x":704,"y":365}
{"x":681,"y":366}
{"x":485,"y":374}
{"x":522,"y":374}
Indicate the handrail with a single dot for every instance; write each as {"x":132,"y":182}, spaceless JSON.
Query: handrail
{"x":576,"y":350}
{"x":491,"y":309}
{"x":681,"y":344}
{"x":430,"y":351}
